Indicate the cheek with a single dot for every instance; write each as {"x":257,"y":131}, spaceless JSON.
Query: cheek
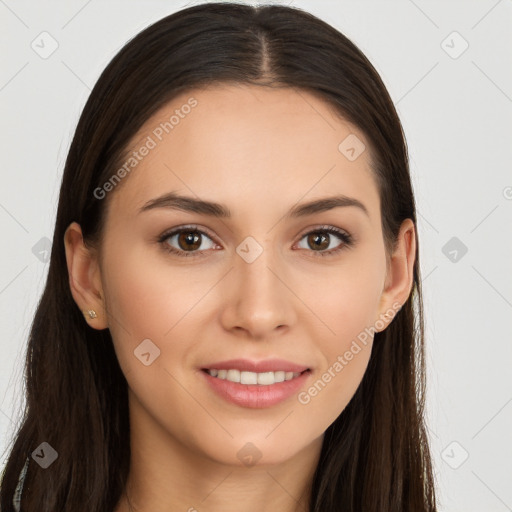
{"x":147,"y":294}
{"x":332,"y":388}
{"x":347,"y":301}
{"x":148,"y":300}
{"x":345,"y":359}
{"x":145,"y":300}
{"x":348,"y":306}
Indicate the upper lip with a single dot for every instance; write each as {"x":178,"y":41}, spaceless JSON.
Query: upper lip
{"x":266,"y":365}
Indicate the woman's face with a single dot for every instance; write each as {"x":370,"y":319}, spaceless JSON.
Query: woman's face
{"x":258,"y":284}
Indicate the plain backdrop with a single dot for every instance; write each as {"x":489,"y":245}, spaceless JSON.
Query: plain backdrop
{"x":447,"y":66}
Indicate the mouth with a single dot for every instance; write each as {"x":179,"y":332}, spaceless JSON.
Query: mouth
{"x":254,"y":378}
{"x":255,"y":390}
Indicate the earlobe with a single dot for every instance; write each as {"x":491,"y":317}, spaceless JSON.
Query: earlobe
{"x":400,"y":277}
{"x":84,"y":277}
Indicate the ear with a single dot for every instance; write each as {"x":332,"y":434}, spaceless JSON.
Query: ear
{"x":84,"y":276}
{"x":399,"y":277}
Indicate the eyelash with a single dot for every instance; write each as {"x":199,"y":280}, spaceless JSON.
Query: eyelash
{"x":344,"y":236}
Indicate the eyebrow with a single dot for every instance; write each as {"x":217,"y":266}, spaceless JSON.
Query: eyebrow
{"x":174,"y":201}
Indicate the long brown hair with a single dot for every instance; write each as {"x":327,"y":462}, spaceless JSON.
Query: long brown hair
{"x":375,"y":456}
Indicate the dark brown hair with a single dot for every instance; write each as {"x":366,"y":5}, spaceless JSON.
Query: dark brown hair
{"x":375,"y":456}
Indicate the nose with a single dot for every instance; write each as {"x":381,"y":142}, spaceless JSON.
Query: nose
{"x":258,"y":301}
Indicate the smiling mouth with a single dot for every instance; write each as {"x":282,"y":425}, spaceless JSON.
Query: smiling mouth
{"x":253,"y":378}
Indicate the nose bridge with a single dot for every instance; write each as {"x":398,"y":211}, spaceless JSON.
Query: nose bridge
{"x":254,"y":263}
{"x":253,"y":266}
{"x":260,"y":301}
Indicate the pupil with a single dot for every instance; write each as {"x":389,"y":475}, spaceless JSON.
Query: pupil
{"x":190,"y":240}
{"x":321,"y":237}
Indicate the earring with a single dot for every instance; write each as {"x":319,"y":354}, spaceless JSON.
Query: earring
{"x":90,"y":312}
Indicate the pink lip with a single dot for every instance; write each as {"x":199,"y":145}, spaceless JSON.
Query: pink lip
{"x":268,"y":365}
{"x":253,"y":395}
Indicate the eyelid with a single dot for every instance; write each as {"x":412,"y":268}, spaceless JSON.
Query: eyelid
{"x":324,"y":227}
{"x":192,"y":227}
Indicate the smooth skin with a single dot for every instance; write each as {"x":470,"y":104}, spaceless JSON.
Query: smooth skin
{"x":259,"y":152}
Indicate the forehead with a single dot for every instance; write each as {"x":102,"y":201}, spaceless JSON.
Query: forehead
{"x":239,"y":144}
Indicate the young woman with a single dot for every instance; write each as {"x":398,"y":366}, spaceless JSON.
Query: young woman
{"x":233,"y":316}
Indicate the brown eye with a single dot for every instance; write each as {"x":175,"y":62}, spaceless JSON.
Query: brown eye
{"x":186,"y":242}
{"x":318,"y":241}
{"x":189,"y":240}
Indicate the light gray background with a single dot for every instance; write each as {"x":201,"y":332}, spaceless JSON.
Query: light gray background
{"x":456,"y":111}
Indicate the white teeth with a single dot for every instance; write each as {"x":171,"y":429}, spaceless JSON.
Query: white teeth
{"x":279,"y":376}
{"x":248,"y":378}
{"x":233,"y":375}
{"x":243,"y":377}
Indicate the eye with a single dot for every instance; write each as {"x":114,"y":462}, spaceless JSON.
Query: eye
{"x":189,"y":240}
{"x":321,"y":238}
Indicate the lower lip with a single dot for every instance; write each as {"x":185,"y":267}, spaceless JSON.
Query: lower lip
{"x":253,"y":395}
